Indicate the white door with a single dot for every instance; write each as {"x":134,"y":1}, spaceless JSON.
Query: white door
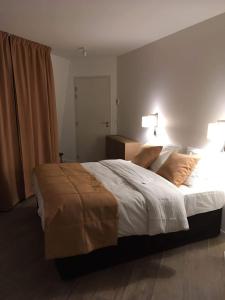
{"x":92,"y":116}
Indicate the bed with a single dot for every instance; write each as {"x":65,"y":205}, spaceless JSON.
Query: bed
{"x":199,"y":211}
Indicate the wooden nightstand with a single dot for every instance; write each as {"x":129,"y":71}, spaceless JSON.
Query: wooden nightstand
{"x":118,"y":146}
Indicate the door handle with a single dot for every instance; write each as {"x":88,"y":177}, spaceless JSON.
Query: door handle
{"x":105,"y":123}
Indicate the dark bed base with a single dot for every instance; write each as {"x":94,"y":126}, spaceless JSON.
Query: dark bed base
{"x":202,"y":226}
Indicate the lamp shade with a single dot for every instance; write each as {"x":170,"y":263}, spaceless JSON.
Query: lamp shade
{"x":216,"y":131}
{"x":149,"y":121}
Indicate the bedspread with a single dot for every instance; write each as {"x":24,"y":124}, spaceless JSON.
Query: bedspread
{"x":80,"y":214}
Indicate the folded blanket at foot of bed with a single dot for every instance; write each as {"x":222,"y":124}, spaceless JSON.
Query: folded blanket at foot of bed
{"x":80,"y":214}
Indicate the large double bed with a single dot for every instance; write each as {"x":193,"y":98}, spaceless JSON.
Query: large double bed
{"x":152,"y":215}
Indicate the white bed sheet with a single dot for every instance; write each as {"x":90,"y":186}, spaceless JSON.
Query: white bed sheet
{"x":133,"y":217}
{"x":201,"y":199}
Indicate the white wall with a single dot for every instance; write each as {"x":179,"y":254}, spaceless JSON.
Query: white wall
{"x":86,"y":66}
{"x":61,"y":77}
{"x":182,"y":77}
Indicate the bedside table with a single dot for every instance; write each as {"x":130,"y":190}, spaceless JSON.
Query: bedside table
{"x":118,"y":146}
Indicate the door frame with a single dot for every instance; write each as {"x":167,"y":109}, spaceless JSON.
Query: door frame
{"x":76,"y":110}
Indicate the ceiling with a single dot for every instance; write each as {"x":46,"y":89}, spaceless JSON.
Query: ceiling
{"x":104,"y":27}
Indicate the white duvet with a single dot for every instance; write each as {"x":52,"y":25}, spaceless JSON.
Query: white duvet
{"x":137,"y":189}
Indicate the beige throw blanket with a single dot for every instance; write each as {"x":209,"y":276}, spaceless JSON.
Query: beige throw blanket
{"x":80,"y":214}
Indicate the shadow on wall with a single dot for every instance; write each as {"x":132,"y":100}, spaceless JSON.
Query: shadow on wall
{"x":68,"y":133}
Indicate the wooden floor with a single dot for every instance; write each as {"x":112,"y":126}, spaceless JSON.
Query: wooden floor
{"x":196,"y":271}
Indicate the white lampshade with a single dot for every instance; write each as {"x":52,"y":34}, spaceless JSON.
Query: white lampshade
{"x":216,"y":131}
{"x":149,"y":121}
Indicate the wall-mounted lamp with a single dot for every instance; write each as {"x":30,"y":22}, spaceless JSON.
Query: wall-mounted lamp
{"x":150,"y":121}
{"x":216,"y":135}
{"x":216,"y":130}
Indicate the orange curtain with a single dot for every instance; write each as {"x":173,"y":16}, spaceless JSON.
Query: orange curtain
{"x":11,"y":178}
{"x":36,"y":105}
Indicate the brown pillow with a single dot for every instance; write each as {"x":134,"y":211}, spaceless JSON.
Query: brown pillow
{"x":178,"y":167}
{"x":147,"y":155}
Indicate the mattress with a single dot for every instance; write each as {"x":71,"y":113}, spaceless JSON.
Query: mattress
{"x":133,"y":217}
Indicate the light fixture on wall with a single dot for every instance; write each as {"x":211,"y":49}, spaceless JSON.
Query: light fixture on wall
{"x":216,"y":134}
{"x":150,"y":121}
{"x":83,"y":50}
{"x":216,"y":130}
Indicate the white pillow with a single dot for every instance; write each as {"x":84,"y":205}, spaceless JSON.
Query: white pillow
{"x":155,"y":166}
{"x":195,"y":151}
{"x":173,"y":148}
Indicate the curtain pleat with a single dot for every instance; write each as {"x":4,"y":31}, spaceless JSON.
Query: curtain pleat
{"x":28,"y":123}
{"x":36,"y":105}
{"x":11,"y":177}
